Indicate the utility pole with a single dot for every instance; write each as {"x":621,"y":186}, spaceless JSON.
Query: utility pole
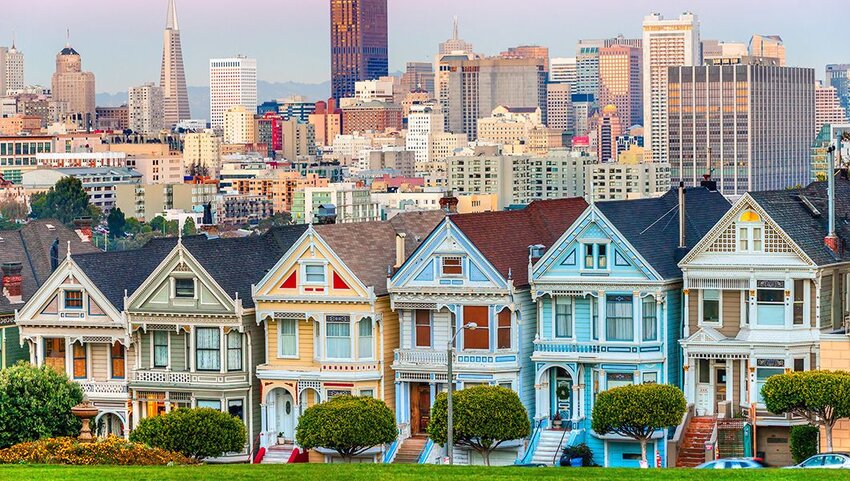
{"x":450,"y":411}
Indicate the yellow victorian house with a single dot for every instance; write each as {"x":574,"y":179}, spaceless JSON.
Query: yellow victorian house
{"x":328,"y":323}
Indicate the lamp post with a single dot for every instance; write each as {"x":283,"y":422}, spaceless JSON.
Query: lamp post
{"x":450,"y":411}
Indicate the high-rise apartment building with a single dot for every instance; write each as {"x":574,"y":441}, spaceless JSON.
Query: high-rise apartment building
{"x":423,"y":122}
{"x":559,"y":112}
{"x":145,"y":109}
{"x":838,"y":76}
{"x":238,"y":125}
{"x":74,"y":87}
{"x":233,"y":81}
{"x":358,"y":43}
{"x":528,"y":51}
{"x":172,"y":78}
{"x":563,"y":70}
{"x":202,"y":149}
{"x":326,"y":121}
{"x":620,"y":82}
{"x":455,"y":44}
{"x":752,"y":126}
{"x":299,"y":139}
{"x":608,"y":127}
{"x":666,"y":43}
{"x":828,"y":109}
{"x":767,"y":46}
{"x":12,"y":70}
{"x":469,"y":89}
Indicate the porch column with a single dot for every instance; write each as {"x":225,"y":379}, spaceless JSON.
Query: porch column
{"x":135,"y":415}
{"x":685,"y":308}
{"x":752,"y":395}
{"x":541,"y":398}
{"x":600,"y":316}
{"x":39,"y":351}
{"x":730,"y":385}
{"x":690,"y":373}
{"x":263,"y":426}
{"x":69,"y":357}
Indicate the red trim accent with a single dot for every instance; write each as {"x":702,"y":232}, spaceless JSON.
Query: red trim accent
{"x":261,"y":453}
{"x":339,"y":384}
{"x":291,"y":282}
{"x":338,"y":283}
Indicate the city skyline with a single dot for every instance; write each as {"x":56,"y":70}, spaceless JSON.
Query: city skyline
{"x":135,"y":48}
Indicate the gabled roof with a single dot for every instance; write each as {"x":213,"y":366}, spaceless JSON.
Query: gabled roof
{"x":503,"y":237}
{"x":807,"y":230}
{"x":652,"y":225}
{"x":31,"y":247}
{"x":368,"y":248}
{"x":234,"y":263}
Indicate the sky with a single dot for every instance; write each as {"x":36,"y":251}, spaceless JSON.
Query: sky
{"x":121,"y":41}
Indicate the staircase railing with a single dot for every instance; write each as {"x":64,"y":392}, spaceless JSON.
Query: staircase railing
{"x":426,"y":452}
{"x":711,"y":445}
{"x":674,"y":445}
{"x":560,"y":443}
{"x":390,"y":453}
{"x":528,"y":456}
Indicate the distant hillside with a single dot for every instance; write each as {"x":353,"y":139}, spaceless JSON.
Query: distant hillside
{"x":199,"y":97}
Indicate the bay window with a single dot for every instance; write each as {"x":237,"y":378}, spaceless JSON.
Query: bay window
{"x":80,"y":365}
{"x":563,"y":317}
{"x":236,"y":408}
{"x":594,"y":318}
{"x":770,"y":303}
{"x":160,"y":348}
{"x":650,"y":319}
{"x":208,"y":348}
{"x":762,"y":373}
{"x":338,"y":337}
{"x":116,"y":360}
{"x":799,"y":301}
{"x":503,"y":334}
{"x":423,"y":328}
{"x":234,"y":351}
{"x":54,"y":353}
{"x":210,"y":403}
{"x":619,"y":379}
{"x":710,"y":306}
{"x":365,"y":346}
{"x":287,"y":339}
{"x":619,"y":321}
{"x":478,"y":338}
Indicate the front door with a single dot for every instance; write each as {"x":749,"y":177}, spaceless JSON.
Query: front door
{"x":719,"y":385}
{"x":704,"y":403}
{"x":420,"y":408}
{"x":284,"y":414}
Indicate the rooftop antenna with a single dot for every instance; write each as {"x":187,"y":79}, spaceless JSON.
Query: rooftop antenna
{"x":454,"y":29}
{"x":67,"y":38}
{"x":13,"y":40}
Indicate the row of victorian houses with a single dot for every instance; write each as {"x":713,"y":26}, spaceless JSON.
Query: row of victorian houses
{"x":569,"y":300}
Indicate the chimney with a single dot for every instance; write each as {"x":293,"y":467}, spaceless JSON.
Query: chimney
{"x":12,"y":281}
{"x":449,"y":202}
{"x":831,"y":240}
{"x":682,"y":244}
{"x":399,"y":249}
{"x":535,"y":252}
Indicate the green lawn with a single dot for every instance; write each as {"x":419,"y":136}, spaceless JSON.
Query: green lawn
{"x":373,"y":472}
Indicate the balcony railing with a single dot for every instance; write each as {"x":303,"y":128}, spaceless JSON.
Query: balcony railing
{"x":428,"y":357}
{"x":183,"y":377}
{"x":596,"y":347}
{"x":99,"y":389}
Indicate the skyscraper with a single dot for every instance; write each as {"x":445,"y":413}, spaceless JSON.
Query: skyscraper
{"x":828,"y":109}
{"x":11,"y":69}
{"x":752,"y":125}
{"x":620,"y":82}
{"x":73,"y":87}
{"x":666,"y":43}
{"x":587,"y":67}
{"x":528,"y":51}
{"x":233,"y":81}
{"x":562,"y":70}
{"x":769,"y":46}
{"x":145,"y":110}
{"x":838,"y":76}
{"x":172,"y":79}
{"x":358,"y":43}
{"x":455,"y":44}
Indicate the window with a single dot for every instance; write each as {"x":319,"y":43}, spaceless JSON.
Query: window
{"x":503,"y":337}
{"x":750,"y":232}
{"x":588,"y":256}
{"x":770,"y":303}
{"x":54,"y":353}
{"x":367,"y":392}
{"x":339,"y":337}
{"x":650,"y":319}
{"x":80,"y":368}
{"x":478,"y":338}
{"x":761,"y":376}
{"x":234,"y":351}
{"x":116,"y":357}
{"x":799,"y":301}
{"x":210,"y":403}
{"x":184,"y":288}
{"x":314,"y":273}
{"x":160,"y":348}
{"x":595,"y":256}
{"x":619,"y":323}
{"x":364,"y":339}
{"x":73,"y":299}
{"x":451,"y":266}
{"x":594,"y":318}
{"x":288,"y":341}
{"x":704,"y":371}
{"x":563,"y":316}
{"x":799,"y":364}
{"x":710,"y":306}
{"x":208,"y":348}
{"x":236,"y":408}
{"x":618,"y":379}
{"x":649,"y":378}
{"x":423,"y":328}
{"x":602,"y":256}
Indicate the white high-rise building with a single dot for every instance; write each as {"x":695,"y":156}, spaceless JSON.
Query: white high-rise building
{"x":145,"y":108}
{"x":233,"y":81}
{"x":828,"y":109}
{"x":562,"y":70}
{"x":14,"y":65}
{"x":422,"y":123}
{"x":666,"y":43}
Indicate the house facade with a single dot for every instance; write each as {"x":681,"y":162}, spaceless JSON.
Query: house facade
{"x":327,"y":320}
{"x":609,"y":303}
{"x":760,"y":291}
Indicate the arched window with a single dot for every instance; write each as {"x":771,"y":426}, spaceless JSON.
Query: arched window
{"x":750,"y":232}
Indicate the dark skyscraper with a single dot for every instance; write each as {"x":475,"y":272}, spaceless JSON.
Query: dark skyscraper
{"x":358,"y":43}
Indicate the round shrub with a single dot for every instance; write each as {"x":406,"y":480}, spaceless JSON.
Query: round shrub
{"x":35,"y":403}
{"x":112,"y":450}
{"x":197,"y":433}
{"x":347,"y":424}
{"x":804,"y":442}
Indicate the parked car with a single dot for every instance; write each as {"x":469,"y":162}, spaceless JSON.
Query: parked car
{"x":732,"y":463}
{"x":826,"y":461}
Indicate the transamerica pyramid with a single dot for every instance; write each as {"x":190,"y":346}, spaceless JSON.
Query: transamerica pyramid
{"x":172,"y":78}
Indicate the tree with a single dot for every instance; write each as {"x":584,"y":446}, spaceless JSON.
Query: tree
{"x":483,"y":417}
{"x":134,"y":227}
{"x":347,"y":424}
{"x":276,"y":220}
{"x":638,"y":411}
{"x":36,"y":402}
{"x":158,"y":224}
{"x":116,"y":222}
{"x":64,"y":201}
{"x":821,"y":397}
{"x":804,"y":442}
{"x":189,"y":227}
{"x":196,"y":433}
{"x":11,"y":209}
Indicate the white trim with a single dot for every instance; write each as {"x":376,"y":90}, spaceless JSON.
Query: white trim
{"x":700,"y":313}
{"x":279,"y":333}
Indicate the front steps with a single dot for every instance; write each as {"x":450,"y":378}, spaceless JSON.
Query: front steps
{"x":698,"y":432}
{"x":410,"y":449}
{"x":278,"y":454}
{"x":549,"y":447}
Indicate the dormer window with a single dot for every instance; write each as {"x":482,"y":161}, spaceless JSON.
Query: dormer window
{"x":451,"y":266}
{"x":595,"y":256}
{"x":184,"y":288}
{"x":750,"y":232}
{"x":73,"y":299}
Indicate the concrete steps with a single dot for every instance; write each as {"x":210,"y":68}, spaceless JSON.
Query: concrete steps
{"x":549,"y":447}
{"x":278,"y":454}
{"x":410,"y":449}
{"x":697,"y":434}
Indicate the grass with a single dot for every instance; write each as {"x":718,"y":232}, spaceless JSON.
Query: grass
{"x":377,"y":472}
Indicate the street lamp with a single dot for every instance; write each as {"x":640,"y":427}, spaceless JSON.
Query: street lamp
{"x":450,"y":413}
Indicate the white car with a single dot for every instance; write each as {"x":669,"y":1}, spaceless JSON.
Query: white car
{"x":826,"y":461}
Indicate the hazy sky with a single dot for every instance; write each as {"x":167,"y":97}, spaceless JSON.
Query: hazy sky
{"x":121,"y":41}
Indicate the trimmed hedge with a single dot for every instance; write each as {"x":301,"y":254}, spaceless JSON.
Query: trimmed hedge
{"x":197,"y":433}
{"x":347,"y":424}
{"x":112,"y":451}
{"x":804,"y":442}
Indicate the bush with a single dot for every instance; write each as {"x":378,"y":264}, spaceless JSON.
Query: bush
{"x":35,"y":403}
{"x":484,"y":417}
{"x":197,"y":433}
{"x":347,"y":424}
{"x":580,"y":450}
{"x":112,"y":450}
{"x":804,"y":442}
